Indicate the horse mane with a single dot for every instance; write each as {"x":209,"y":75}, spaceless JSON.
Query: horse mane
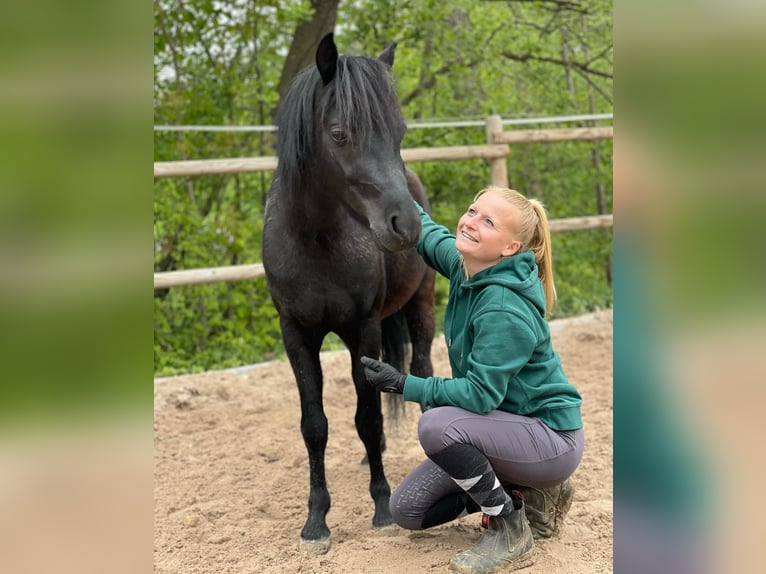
{"x":366,"y":102}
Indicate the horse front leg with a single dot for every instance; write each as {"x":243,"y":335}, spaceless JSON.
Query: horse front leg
{"x":303,"y":348}
{"x":419,"y":313}
{"x":369,"y":419}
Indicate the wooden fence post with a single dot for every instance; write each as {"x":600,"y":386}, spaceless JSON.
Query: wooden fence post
{"x":498,"y":169}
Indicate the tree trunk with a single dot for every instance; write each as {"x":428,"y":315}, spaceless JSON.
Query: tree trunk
{"x":596,"y":161}
{"x":305,"y":41}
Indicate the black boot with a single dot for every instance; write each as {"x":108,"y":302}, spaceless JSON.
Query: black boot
{"x":546,"y":508}
{"x":506,"y":543}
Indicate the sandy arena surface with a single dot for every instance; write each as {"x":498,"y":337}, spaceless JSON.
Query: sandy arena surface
{"x":231,"y":473}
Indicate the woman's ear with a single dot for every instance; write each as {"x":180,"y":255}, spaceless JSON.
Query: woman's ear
{"x":511,"y":249}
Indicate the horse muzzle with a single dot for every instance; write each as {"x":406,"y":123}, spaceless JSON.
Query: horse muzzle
{"x":397,"y":230}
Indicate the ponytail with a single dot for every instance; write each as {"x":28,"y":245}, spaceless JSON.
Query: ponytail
{"x":541,"y":247}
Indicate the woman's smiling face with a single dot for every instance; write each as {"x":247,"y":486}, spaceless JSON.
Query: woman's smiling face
{"x":485,"y":232}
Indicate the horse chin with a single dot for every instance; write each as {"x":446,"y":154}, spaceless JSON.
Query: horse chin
{"x":391,"y":242}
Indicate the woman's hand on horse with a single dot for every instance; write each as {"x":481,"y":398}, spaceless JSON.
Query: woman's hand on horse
{"x":383,"y":376}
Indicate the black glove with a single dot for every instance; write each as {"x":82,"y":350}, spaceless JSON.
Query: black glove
{"x":383,"y":376}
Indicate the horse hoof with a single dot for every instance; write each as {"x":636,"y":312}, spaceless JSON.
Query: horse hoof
{"x":387,"y":530}
{"x":315,"y":547}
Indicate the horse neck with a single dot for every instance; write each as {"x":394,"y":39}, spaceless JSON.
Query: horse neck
{"x":313,"y":208}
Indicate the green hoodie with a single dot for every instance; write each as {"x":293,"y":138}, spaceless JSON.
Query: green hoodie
{"x":498,"y":340}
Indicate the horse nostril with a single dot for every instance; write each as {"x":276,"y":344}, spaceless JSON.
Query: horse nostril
{"x":395,"y":224}
{"x":401,"y":230}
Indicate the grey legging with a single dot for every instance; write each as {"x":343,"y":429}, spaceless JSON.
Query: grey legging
{"x":522,"y":451}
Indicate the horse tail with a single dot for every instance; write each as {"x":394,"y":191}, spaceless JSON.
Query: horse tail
{"x":395,"y":339}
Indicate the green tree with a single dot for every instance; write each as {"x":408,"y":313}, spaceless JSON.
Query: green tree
{"x":226,"y":63}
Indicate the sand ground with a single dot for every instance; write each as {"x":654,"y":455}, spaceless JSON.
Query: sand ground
{"x":231,"y":473}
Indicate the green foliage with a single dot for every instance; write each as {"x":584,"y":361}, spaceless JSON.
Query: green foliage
{"x":219,"y":63}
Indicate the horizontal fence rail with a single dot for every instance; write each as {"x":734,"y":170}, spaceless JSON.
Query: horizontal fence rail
{"x":214,"y":166}
{"x":545,"y":136}
{"x":208,"y":275}
{"x":269,"y":163}
{"x":496,"y":150}
{"x":255,"y":270}
{"x":410,"y":125}
{"x":581,"y":223}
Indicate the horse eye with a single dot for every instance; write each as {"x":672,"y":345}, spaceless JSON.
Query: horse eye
{"x":338,"y":136}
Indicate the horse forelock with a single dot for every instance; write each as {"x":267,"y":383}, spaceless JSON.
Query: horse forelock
{"x":365,"y":99}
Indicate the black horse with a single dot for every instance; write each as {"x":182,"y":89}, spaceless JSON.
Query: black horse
{"x":338,"y":249}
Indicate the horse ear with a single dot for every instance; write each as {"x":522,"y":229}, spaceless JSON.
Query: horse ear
{"x":387,"y":55}
{"x":327,"y":58}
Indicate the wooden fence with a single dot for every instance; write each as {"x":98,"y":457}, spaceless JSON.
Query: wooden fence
{"x":496,"y":150}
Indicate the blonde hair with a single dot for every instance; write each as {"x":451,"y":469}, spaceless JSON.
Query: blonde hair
{"x":533,"y":233}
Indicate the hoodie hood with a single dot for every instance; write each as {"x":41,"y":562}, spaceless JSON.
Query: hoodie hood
{"x":517,"y":272}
